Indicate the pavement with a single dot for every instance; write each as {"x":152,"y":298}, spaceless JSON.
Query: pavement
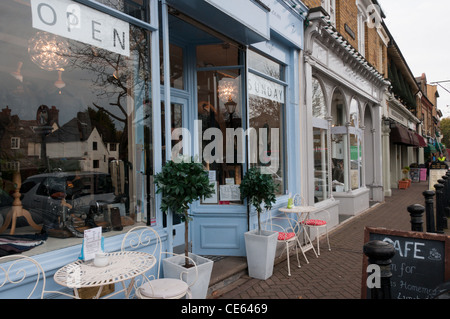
{"x":335,"y":274}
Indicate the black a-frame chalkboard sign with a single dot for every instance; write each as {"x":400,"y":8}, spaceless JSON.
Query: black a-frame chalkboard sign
{"x":421,"y":262}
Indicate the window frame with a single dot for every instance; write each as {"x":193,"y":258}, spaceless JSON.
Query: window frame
{"x":283,"y":129}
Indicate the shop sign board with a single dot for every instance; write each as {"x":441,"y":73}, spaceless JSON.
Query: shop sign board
{"x":78,"y":22}
{"x":264,"y":88}
{"x":421,"y":262}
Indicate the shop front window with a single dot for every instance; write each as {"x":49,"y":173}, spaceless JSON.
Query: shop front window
{"x":320,"y":143}
{"x":220,"y":105}
{"x":355,"y":146}
{"x":83,"y":118}
{"x":136,"y":8}
{"x":339,"y":144}
{"x":266,"y":117}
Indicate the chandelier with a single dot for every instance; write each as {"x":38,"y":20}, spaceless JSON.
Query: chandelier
{"x":48,"y":51}
{"x":228,"y":91}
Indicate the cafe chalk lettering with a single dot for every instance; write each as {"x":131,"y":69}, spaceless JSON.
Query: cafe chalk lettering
{"x":419,"y":265}
{"x":78,"y":22}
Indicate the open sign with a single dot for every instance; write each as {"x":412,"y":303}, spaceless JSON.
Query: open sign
{"x":78,"y":22}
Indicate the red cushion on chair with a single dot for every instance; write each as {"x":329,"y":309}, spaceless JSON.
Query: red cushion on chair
{"x":315,"y":222}
{"x":285,"y":236}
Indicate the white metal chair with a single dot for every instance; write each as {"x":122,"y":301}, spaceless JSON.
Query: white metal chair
{"x":319,"y":224}
{"x":18,"y":269}
{"x":288,"y":234}
{"x":154,"y":287}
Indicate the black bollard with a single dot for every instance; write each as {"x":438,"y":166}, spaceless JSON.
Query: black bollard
{"x":439,"y":208}
{"x":380,"y":253}
{"x":416,"y":212}
{"x":429,"y":201}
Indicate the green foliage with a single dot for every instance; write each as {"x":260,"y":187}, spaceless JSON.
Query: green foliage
{"x":182,"y":183}
{"x":445,"y":131}
{"x":259,"y":189}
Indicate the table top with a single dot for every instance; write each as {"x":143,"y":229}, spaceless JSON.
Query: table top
{"x":123,"y":265}
{"x":298,"y":209}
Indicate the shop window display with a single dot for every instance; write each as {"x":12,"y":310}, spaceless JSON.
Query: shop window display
{"x":80,"y":112}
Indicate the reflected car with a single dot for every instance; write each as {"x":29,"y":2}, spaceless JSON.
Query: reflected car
{"x":44,"y":195}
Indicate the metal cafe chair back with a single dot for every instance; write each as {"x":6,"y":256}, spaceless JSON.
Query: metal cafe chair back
{"x":152,"y":286}
{"x":27,"y":272}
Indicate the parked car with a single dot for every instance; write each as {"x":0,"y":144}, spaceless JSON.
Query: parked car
{"x":45,"y":195}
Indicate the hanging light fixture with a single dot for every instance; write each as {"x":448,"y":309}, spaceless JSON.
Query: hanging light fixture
{"x":17,"y":74}
{"x":60,"y":83}
{"x":48,"y":51}
{"x":228,"y":91}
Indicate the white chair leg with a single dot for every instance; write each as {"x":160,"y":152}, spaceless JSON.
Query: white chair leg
{"x":328,"y":240}
{"x":317,"y":238}
{"x":296,"y":252}
{"x":288,"y":264}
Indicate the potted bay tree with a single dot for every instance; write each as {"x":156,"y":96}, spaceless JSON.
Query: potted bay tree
{"x":182,"y":182}
{"x":259,"y":190}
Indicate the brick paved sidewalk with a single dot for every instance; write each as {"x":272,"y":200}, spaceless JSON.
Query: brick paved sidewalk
{"x":336,"y":274}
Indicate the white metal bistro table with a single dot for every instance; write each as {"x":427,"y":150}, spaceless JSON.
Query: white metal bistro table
{"x":303,"y":214}
{"x":122,"y":266}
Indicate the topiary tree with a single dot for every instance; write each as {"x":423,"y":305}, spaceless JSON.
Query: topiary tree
{"x":181,"y":183}
{"x":258,"y":188}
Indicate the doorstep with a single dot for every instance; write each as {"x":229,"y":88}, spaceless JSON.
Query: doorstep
{"x":227,"y":271}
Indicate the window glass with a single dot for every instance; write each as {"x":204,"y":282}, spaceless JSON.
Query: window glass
{"x":318,"y":100}
{"x":339,"y":144}
{"x":262,"y":64}
{"x":220,"y":105}
{"x":63,"y":98}
{"x":138,"y":9}
{"x":220,"y":111}
{"x":320,"y":144}
{"x":266,"y":116}
{"x":320,"y":165}
{"x":176,"y":66}
{"x":355,"y":145}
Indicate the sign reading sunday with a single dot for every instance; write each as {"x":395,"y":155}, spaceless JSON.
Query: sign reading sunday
{"x":78,"y":22}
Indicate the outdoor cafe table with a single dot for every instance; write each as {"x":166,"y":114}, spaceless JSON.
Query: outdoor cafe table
{"x":122,"y":266}
{"x":303,"y":214}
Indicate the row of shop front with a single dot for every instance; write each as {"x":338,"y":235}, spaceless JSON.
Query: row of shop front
{"x":91,"y":113}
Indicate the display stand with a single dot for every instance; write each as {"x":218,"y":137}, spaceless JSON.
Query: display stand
{"x":17,"y":210}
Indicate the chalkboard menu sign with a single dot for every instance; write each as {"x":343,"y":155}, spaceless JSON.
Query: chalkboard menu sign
{"x":421,"y":262}
{"x":415,"y":175}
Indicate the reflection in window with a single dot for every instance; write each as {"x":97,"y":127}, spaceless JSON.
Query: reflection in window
{"x":320,"y":143}
{"x":135,"y":8}
{"x":266,"y":116}
{"x":320,"y":165}
{"x":318,"y":100}
{"x":89,"y":98}
{"x":176,"y":66}
{"x":220,"y":111}
{"x":339,"y":144}
{"x":355,"y":146}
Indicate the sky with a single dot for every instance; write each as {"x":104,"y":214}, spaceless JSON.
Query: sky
{"x":422,"y":32}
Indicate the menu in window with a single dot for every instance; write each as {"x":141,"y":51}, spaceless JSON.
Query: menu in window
{"x":92,"y":242}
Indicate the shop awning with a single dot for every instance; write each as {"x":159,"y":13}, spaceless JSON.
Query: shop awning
{"x":403,"y":136}
{"x":422,"y":142}
{"x":231,"y":17}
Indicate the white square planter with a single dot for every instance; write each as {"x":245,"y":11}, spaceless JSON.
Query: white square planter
{"x":174,"y":266}
{"x":260,"y":248}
